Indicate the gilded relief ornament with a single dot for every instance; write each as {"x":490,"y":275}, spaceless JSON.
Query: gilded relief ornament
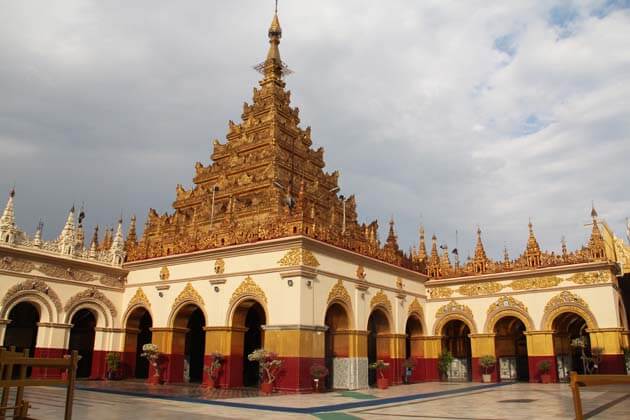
{"x":506,"y":302}
{"x":535,"y":283}
{"x":440,"y":292}
{"x":35,"y":285}
{"x":453,"y":308}
{"x":339,"y":292}
{"x":361,"y":274}
{"x":399,"y":283}
{"x":565,"y":298}
{"x":16,"y":264}
{"x":219,"y":266}
{"x":480,"y":289}
{"x":593,"y":277}
{"x":139,"y":298}
{"x":381,"y":299}
{"x":248,"y":288}
{"x":164,"y":273}
{"x":415,"y":307}
{"x":90,"y":295}
{"x":189,"y":294}
{"x":298,"y":256}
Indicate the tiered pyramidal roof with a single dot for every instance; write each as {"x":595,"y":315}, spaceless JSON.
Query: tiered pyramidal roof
{"x":265,"y":182}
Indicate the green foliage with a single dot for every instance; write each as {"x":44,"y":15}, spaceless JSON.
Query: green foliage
{"x":487,"y":362}
{"x":445,"y":359}
{"x":544,"y":367}
{"x":113,"y":361}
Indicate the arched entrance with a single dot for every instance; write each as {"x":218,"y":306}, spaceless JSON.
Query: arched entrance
{"x":456,"y":340}
{"x":336,"y":345}
{"x":572,"y":345}
{"x":82,"y":339}
{"x":250,"y":316}
{"x":22,"y":330}
{"x":413,"y":347}
{"x":137,"y":334}
{"x":191,"y":318}
{"x":511,"y":349}
{"x":378,"y":346}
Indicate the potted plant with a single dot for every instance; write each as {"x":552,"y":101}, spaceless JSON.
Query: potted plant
{"x":487,"y":362}
{"x":445,"y":359}
{"x":319,"y":373}
{"x":151,"y":353}
{"x":381,"y":381}
{"x":543,"y":369}
{"x":409,"y":364}
{"x":113,"y":364}
{"x":214,"y":369}
{"x":268,"y":367}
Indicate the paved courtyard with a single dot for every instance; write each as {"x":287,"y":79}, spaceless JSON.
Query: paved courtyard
{"x":421,"y":401}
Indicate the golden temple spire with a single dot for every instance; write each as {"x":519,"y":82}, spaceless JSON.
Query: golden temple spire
{"x":422,"y":248}
{"x":532,"y":251}
{"x":273,"y":68}
{"x":131,"y":232}
{"x":480,"y":260}
{"x":596,"y":244}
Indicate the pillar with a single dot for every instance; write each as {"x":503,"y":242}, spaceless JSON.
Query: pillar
{"x":391,"y":349}
{"x":611,"y":342}
{"x":417,"y":356}
{"x":51,"y":341}
{"x":540,"y":347}
{"x":3,"y":328}
{"x":350,"y":363}
{"x":432,"y":347}
{"x":171,"y":344}
{"x":229,"y":342}
{"x":482,"y":345}
{"x":128,"y":358}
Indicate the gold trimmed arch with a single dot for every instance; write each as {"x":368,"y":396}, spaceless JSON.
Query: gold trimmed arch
{"x":381,"y":299}
{"x":138,"y":300}
{"x":189,"y":296}
{"x":36,"y":292}
{"x":416,"y":310}
{"x":94,"y":300}
{"x":247,"y":290}
{"x":507,"y":306}
{"x":563,"y":303}
{"x":339,"y":295}
{"x":454,"y":311}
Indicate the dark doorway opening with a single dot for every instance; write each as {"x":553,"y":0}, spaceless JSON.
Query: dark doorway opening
{"x":144,"y":337}
{"x":82,"y":339}
{"x":22,"y":330}
{"x":254,"y":320}
{"x":195,"y":345}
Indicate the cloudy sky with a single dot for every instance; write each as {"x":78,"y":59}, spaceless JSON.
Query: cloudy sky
{"x":450,"y":113}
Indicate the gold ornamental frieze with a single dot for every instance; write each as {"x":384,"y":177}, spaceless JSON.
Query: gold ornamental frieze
{"x":32,"y":285}
{"x":506,"y":302}
{"x":339,"y":292}
{"x":592,"y":277}
{"x":565,"y":298}
{"x":16,"y":264}
{"x":248,"y":288}
{"x":381,"y":299}
{"x":189,"y":294}
{"x":139,"y":298}
{"x":361,"y":274}
{"x":90,"y":295}
{"x":453,"y":308}
{"x":164,"y":273}
{"x":535,"y":283}
{"x":563,"y":302}
{"x":399,"y":283}
{"x":440,"y":292}
{"x":480,"y":289}
{"x":219,"y":266}
{"x":298,"y":256}
{"x":58,"y":271}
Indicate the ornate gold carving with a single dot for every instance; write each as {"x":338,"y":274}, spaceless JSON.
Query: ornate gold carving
{"x":361,"y":272}
{"x":108,"y":280}
{"x":440,"y":292}
{"x":381,"y":299}
{"x":299,"y":256}
{"x":593,"y":277}
{"x":454,"y":308}
{"x":16,"y":264}
{"x":536,"y":283}
{"x":139,"y":298}
{"x":219,"y":266}
{"x":415,"y":307}
{"x":189,"y":294}
{"x":339,"y":292}
{"x":480,"y":289}
{"x":28,"y":285}
{"x":505,"y":302}
{"x":399,"y":283}
{"x":565,"y":298}
{"x":248,"y":288}
{"x":67,"y":273}
{"x":90,"y":295}
{"x":164,"y":273}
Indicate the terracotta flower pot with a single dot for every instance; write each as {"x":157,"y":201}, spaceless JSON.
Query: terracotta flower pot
{"x":266,"y":388}
{"x":382,"y":383}
{"x":154,"y":380}
{"x":545,"y":378}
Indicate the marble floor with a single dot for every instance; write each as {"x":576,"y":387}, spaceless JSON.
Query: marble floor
{"x":419,"y":401}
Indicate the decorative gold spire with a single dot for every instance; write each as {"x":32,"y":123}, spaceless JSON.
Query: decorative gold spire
{"x":392,"y":239}
{"x":433,"y":267}
{"x":480,"y":260}
{"x":532,"y":251}
{"x":422,"y":248}
{"x":445,"y":262}
{"x":273,"y":68}
{"x":8,"y":228}
{"x":131,"y":232}
{"x":596,"y":243}
{"x":94,"y":244}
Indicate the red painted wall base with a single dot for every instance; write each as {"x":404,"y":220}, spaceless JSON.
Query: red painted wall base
{"x":43,"y":373}
{"x":612,"y":364}
{"x":534,"y":374}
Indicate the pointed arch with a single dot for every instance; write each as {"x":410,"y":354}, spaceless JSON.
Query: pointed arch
{"x":452,"y":311}
{"x":507,"y":306}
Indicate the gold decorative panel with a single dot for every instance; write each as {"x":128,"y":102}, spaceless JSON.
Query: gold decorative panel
{"x":361,"y":272}
{"x":219,"y":266}
{"x":164,"y":273}
{"x":139,"y":298}
{"x":505,"y":302}
{"x":248,"y":288}
{"x":16,"y":264}
{"x":535,"y":283}
{"x":415,"y":307}
{"x":299,"y":256}
{"x":90,"y":295}
{"x":339,"y":292}
{"x":453,"y":307}
{"x":189,"y":294}
{"x":480,"y":289}
{"x":593,"y":277}
{"x":440,"y":292}
{"x":381,"y":299}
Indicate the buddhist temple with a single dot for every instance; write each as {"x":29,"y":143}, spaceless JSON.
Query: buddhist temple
{"x":264,"y":252}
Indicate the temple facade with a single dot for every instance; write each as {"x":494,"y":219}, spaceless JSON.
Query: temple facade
{"x":263,"y":252}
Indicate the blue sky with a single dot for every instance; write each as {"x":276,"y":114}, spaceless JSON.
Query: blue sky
{"x":447,"y":113}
